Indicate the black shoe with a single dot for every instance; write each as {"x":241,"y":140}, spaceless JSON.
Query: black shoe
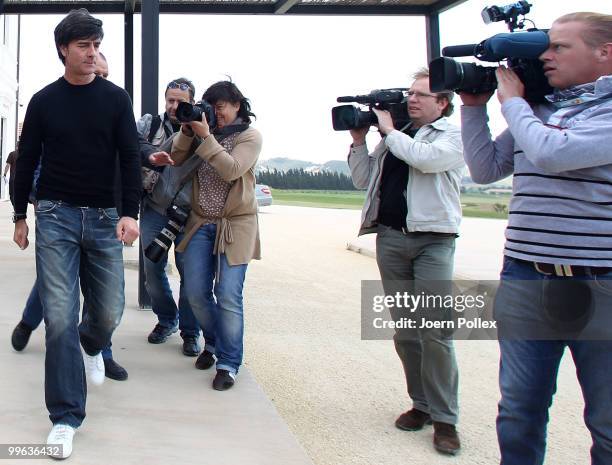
{"x":191,"y":348}
{"x":223,"y":380}
{"x":114,"y":371}
{"x":205,"y":360}
{"x":21,"y":336}
{"x":161,"y":333}
{"x":413,"y":420}
{"x":446,"y":439}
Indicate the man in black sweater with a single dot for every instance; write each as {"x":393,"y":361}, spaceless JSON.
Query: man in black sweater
{"x":75,"y":127}
{"x":33,"y":312}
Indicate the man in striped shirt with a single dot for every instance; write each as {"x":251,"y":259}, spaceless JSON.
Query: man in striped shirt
{"x":556,"y":281}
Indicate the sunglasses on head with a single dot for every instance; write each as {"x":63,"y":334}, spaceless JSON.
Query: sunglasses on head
{"x":178,"y":85}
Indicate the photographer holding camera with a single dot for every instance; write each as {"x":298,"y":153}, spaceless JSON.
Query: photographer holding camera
{"x":154,"y":131}
{"x":558,"y":233}
{"x":222,"y":233}
{"x":412,"y":203}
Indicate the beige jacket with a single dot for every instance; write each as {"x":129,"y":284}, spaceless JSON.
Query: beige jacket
{"x":238,"y":228}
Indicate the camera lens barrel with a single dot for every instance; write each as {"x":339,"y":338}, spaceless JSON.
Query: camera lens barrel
{"x":163,"y":241}
{"x":447,"y":74}
{"x":186,"y":112}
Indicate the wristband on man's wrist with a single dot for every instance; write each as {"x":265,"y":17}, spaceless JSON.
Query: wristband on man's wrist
{"x":19,"y":216}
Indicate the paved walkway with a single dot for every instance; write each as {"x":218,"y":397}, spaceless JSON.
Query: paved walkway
{"x":338,"y":394}
{"x":166,"y":412}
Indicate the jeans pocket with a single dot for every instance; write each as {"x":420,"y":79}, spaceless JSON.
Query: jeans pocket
{"x":513,"y":269}
{"x":45,"y":206}
{"x":382,"y":230}
{"x":603,"y":283}
{"x":110,"y":214}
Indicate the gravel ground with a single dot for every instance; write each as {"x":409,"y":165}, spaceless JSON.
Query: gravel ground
{"x":340,"y":395}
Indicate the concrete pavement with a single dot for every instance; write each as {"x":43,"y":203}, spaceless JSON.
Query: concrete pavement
{"x":166,"y":412}
{"x":338,"y":394}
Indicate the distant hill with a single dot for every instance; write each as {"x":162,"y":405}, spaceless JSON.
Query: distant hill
{"x":285,"y":164}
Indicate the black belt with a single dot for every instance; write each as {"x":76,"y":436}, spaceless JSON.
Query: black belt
{"x":405,"y":231}
{"x":567,"y":270}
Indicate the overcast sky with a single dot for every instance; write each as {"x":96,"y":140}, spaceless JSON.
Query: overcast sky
{"x":292,"y":68}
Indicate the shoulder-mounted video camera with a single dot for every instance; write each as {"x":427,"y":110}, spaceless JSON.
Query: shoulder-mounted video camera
{"x":345,"y":117}
{"x":520,"y":49}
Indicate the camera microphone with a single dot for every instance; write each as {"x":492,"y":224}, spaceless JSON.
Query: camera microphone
{"x":345,"y":99}
{"x":467,"y":50}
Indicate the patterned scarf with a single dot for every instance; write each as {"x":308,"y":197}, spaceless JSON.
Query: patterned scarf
{"x":576,"y":103}
{"x":563,"y":98}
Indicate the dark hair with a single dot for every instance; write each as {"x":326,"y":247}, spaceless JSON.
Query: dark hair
{"x":228,"y":92}
{"x":77,"y":25}
{"x":180,"y":81}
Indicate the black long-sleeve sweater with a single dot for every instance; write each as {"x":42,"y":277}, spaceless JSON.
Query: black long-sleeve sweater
{"x":77,"y":132}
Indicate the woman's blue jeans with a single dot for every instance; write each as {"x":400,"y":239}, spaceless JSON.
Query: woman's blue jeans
{"x":216,"y":301}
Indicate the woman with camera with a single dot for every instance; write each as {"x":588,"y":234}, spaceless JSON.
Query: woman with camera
{"x":221,"y":234}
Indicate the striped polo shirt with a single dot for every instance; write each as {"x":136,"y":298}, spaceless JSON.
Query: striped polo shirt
{"x":561,"y":208}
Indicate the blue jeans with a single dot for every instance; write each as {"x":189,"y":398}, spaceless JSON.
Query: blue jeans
{"x":216,"y":303}
{"x":156,"y":281}
{"x":527,"y":378}
{"x":69,"y":239}
{"x":33,"y":314}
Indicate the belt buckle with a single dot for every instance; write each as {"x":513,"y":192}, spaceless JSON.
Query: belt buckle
{"x":536,"y":265}
{"x":562,"y":271}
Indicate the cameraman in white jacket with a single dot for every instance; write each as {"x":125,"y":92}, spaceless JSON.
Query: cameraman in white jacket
{"x":413,"y":179}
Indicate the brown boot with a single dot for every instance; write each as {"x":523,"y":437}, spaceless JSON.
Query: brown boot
{"x":446,"y":439}
{"x":413,"y":420}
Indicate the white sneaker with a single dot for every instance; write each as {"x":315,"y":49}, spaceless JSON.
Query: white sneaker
{"x":60,"y":435}
{"x":94,"y":368}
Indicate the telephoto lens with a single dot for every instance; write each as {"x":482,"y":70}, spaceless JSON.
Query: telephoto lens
{"x":177,"y":217}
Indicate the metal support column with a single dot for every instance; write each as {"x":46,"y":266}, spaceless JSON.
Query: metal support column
{"x":150,"y":82}
{"x":432,"y":27}
{"x":128,"y":40}
{"x":150,"y":56}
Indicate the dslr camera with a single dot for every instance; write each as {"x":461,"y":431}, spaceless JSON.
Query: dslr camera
{"x":177,"y":217}
{"x":520,"y":49}
{"x":345,"y":117}
{"x":186,"y":112}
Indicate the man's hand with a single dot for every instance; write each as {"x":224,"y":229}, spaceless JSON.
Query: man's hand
{"x":127,"y":230}
{"x":385,"y":122}
{"x":475,"y":100}
{"x":508,"y":84}
{"x":160,"y":159}
{"x":20,"y":236}
{"x":359,"y":136}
